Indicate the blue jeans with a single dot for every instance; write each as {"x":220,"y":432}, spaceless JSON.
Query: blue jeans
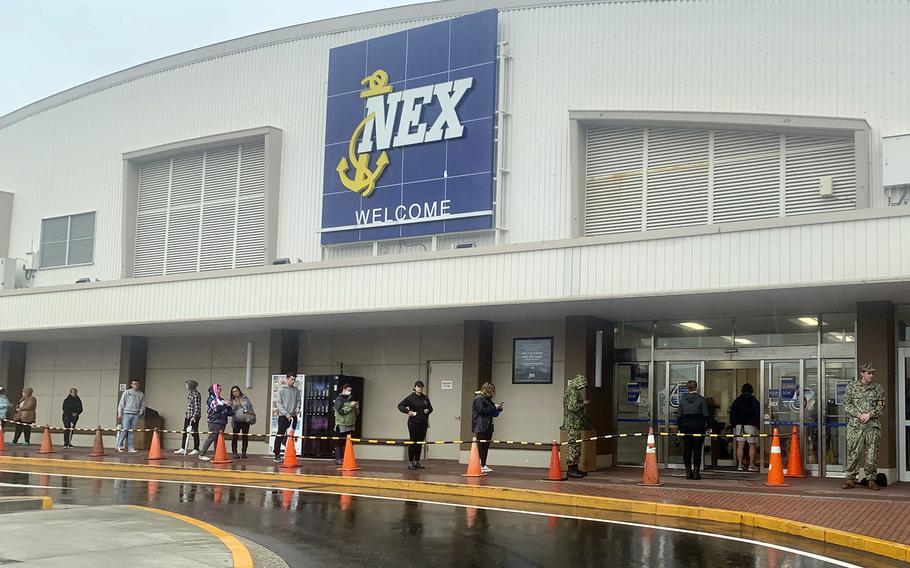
{"x":126,"y":430}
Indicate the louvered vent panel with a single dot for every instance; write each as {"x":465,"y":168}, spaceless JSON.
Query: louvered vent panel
{"x":148,"y":259}
{"x":746,"y":176}
{"x":677,"y":183}
{"x":252,"y":169}
{"x":251,"y":232}
{"x":811,"y":157}
{"x":217,"y":236}
{"x":613,"y":180}
{"x":221,"y":174}
{"x":182,"y":241}
{"x":186,"y":180}
{"x":153,"y":185}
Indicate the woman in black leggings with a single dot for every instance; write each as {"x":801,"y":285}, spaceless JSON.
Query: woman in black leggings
{"x":418,"y":408}
{"x":484,"y":410}
{"x":244,"y":417}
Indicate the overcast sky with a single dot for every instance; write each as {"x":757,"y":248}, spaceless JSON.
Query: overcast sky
{"x":47,"y":46}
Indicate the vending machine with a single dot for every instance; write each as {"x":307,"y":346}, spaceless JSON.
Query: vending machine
{"x":318,"y":414}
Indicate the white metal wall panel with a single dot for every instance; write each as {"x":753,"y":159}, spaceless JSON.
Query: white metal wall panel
{"x":810,"y":157}
{"x":613,"y":180}
{"x":746,"y":176}
{"x":611,"y":55}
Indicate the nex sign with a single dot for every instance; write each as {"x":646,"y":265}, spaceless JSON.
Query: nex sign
{"x":377,"y":131}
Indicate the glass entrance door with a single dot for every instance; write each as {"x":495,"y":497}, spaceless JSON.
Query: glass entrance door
{"x":672,"y":379}
{"x":838,"y":374}
{"x":633,"y":409}
{"x":781,"y":404}
{"x":903,"y":365}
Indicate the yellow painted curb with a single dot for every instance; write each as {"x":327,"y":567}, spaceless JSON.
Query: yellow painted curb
{"x":793,"y":528}
{"x":239,"y":553}
{"x":47,"y":503}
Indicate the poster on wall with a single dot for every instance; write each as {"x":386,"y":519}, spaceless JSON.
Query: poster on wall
{"x":840,"y":389}
{"x":633,"y":393}
{"x":788,"y":389}
{"x":273,"y":413}
{"x":532,"y":360}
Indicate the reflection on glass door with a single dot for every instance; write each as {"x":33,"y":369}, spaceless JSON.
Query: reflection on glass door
{"x":810,"y":434}
{"x":782,"y":403}
{"x":903,"y":362}
{"x":838,"y":374}
{"x":633,"y":409}
{"x":672,"y":379}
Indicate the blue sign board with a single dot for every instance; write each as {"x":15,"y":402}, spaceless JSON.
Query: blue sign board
{"x":788,"y":388}
{"x":633,"y":393}
{"x":409,"y":135}
{"x":840,"y":389}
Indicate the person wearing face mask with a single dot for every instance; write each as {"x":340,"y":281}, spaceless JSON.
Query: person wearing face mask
{"x":72,"y":408}
{"x":218,"y":412}
{"x":346,"y":411}
{"x":191,"y":419}
{"x":418,"y":408}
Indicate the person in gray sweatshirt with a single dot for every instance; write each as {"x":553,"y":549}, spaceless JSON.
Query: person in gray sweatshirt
{"x":130,"y":408}
{"x":692,"y":416}
{"x":288,"y":408}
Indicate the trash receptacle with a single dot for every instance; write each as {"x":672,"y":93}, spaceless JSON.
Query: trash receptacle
{"x":150,"y":421}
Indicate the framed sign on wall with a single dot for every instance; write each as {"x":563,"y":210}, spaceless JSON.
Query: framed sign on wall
{"x":532,"y":360}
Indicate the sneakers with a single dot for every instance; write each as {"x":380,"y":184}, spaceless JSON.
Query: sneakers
{"x":753,"y":468}
{"x":419,"y":465}
{"x":277,"y":459}
{"x":193,"y":453}
{"x":486,"y":469}
{"x":119,"y":450}
{"x":740,"y":467}
{"x":180,"y":452}
{"x":411,"y":465}
{"x":235,"y":456}
{"x":133,"y":450}
{"x":205,"y":458}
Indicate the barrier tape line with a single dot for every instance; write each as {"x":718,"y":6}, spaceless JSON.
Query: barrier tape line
{"x":393,"y":442}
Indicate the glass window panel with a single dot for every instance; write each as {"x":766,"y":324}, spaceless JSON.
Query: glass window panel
{"x":81,"y":251}
{"x":54,"y":230}
{"x":632,"y":335}
{"x":838,"y":328}
{"x":903,"y":324}
{"x":777,"y":331}
{"x":82,"y":226}
{"x":53,"y":254}
{"x":695,"y":333}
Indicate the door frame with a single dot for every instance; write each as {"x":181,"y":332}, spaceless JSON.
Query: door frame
{"x":428,"y":448}
{"x":903,"y":353}
{"x":656,"y":402}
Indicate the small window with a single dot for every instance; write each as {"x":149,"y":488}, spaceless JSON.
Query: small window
{"x":68,"y":240}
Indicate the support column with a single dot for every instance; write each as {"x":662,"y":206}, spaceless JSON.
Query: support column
{"x":875,"y":344}
{"x":581,"y":355}
{"x":12,"y":368}
{"x":476,"y":367}
{"x":284,"y":345}
{"x":134,"y":353}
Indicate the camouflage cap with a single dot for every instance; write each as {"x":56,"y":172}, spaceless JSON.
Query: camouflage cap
{"x":867,"y":368}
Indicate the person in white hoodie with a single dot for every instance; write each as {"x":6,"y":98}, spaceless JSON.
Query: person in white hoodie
{"x":130,"y":408}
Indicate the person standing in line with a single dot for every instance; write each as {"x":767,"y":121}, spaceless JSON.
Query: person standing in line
{"x":4,"y":406}
{"x":129,"y":409}
{"x":288,"y":409}
{"x":864,"y":403}
{"x":25,"y":416}
{"x":692,"y":418}
{"x":745,"y":415}
{"x":244,"y":417}
{"x":72,"y":408}
{"x":575,"y":420}
{"x":346,"y":411}
{"x":418,"y":408}
{"x":483,"y":412}
{"x":191,"y":419}
{"x":217,"y":413}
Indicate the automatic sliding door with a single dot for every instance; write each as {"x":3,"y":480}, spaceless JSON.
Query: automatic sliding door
{"x":675,"y":376}
{"x":633,"y":409}
{"x":782,"y":402}
{"x":838,"y":374}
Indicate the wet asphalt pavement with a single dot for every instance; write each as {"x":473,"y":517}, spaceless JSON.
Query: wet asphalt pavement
{"x":310,"y":529}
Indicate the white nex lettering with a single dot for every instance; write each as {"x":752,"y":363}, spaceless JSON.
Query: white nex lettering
{"x":411,"y":129}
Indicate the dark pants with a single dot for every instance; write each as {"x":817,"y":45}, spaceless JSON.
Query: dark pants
{"x":23,"y":429}
{"x":418,"y":432}
{"x":69,"y":421}
{"x":692,"y":445}
{"x":214,"y":429}
{"x":240,"y":427}
{"x":193,"y":426}
{"x":483,"y":448}
{"x":283,"y":424}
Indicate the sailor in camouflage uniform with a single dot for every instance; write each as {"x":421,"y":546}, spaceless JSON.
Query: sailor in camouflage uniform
{"x":864,"y":403}
{"x":575,"y":420}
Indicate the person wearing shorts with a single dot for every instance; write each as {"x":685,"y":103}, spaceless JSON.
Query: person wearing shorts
{"x":745,"y":415}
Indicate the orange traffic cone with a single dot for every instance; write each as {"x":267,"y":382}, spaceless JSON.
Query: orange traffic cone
{"x":221,"y":455}
{"x":98,"y":446}
{"x":555,"y":466}
{"x":776,"y":470}
{"x":474,"y":468}
{"x":290,"y":452}
{"x":46,"y":446}
{"x":2,"y":445}
{"x":350,"y":462}
{"x":651,"y":476}
{"x":155,"y":447}
{"x":794,"y":459}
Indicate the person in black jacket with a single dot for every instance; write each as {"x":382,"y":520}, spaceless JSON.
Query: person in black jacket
{"x":72,"y":408}
{"x":418,"y":408}
{"x":484,"y":410}
{"x":218,"y":411}
{"x":745,"y":416}
{"x":692,"y":416}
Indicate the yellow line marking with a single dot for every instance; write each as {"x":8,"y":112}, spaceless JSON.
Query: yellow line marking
{"x":47,"y":503}
{"x":239,"y":553}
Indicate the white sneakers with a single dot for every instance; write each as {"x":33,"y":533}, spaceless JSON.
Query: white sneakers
{"x":133,"y":450}
{"x":753,"y":468}
{"x":183,"y":452}
{"x":486,"y":469}
{"x":193,"y":453}
{"x":180,"y":452}
{"x":205,"y":458}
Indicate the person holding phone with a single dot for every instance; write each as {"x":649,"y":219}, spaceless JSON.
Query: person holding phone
{"x":418,"y":408}
{"x":484,"y":410}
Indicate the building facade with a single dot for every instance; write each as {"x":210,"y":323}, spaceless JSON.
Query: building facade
{"x":642,"y":192}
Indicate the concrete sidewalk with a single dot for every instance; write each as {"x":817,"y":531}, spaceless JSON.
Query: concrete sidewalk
{"x":808,"y":507}
{"x":92,"y":536}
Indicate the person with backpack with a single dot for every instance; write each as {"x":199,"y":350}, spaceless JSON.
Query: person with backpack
{"x":745,"y":416}
{"x":418,"y":408}
{"x":218,"y":411}
{"x":244,"y":417}
{"x":72,"y":408}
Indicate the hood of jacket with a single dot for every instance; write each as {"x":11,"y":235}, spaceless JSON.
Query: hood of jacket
{"x":215,"y":390}
{"x":578,"y":382}
{"x":192,"y":385}
{"x":691,"y":396}
{"x":28,"y":391}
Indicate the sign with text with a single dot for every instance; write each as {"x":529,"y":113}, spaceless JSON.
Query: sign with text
{"x":409,"y":133}
{"x":532,"y":360}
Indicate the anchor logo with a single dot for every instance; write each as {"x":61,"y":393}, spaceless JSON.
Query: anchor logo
{"x":364,"y":180}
